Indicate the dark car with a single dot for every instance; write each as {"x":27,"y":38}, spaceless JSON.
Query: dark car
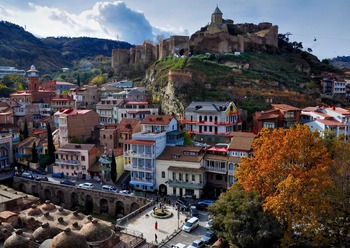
{"x":58,"y":175}
{"x":182,"y":205}
{"x":67,"y":182}
{"x":41,"y":178}
{"x":209,"y":237}
{"x":39,"y":171}
{"x":201,"y":206}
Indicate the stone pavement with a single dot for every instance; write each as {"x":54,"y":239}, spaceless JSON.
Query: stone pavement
{"x":145,"y":223}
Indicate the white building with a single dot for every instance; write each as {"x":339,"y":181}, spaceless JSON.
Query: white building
{"x":212,"y":118}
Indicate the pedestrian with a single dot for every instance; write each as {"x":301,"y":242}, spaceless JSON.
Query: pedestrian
{"x":155,"y":238}
{"x":156,"y":225}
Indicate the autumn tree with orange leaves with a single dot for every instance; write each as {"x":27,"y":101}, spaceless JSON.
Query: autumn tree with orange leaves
{"x":290,"y":170}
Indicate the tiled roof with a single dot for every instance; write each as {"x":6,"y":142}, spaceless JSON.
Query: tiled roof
{"x":284,"y":107}
{"x":176,"y":153}
{"x":77,"y":146}
{"x":242,"y":141}
{"x":215,"y":157}
{"x":207,"y":106}
{"x":157,"y":119}
{"x":331,"y":122}
{"x":140,"y":142}
{"x":127,"y":124}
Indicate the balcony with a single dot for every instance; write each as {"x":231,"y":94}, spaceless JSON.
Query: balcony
{"x":216,"y":169}
{"x":143,"y":180}
{"x":185,"y":185}
{"x":139,"y":155}
{"x":68,"y":162}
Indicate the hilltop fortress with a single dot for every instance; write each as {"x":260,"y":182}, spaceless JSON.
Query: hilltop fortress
{"x":220,"y":36}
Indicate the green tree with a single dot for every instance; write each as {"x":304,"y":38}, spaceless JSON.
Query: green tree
{"x":187,"y":139}
{"x":35,"y":155}
{"x":78,"y":80}
{"x":113,"y":168}
{"x":25,"y":130}
{"x":239,"y":217}
{"x":50,"y":145}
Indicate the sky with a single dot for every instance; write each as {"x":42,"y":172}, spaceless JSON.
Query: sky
{"x":321,"y":25}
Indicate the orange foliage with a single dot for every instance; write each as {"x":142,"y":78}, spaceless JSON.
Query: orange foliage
{"x":290,"y":171}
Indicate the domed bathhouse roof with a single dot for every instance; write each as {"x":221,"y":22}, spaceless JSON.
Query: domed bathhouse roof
{"x":96,"y":232}
{"x":34,"y":211}
{"x":67,"y":238}
{"x":18,"y":240}
{"x":45,"y":232}
{"x":48,"y":206}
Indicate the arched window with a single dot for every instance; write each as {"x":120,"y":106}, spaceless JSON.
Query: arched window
{"x":163,"y":174}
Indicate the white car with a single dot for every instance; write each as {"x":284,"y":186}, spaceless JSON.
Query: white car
{"x":209,"y":224}
{"x":197,"y":244}
{"x":86,"y":186}
{"x":126,"y":192}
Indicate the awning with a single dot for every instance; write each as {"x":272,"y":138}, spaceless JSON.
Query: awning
{"x":142,"y":183}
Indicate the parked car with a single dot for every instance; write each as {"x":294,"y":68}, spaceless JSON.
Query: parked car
{"x":183,"y":205}
{"x":194,"y":211}
{"x":67,"y":182}
{"x":209,"y":224}
{"x":201,"y":207}
{"x":196,"y":244}
{"x":41,"y":178}
{"x":208,"y":202}
{"x":58,"y":175}
{"x":39,"y":171}
{"x":208,"y":237}
{"x":126,"y":192}
{"x":110,"y":188}
{"x":86,"y":185}
{"x":27,"y":175}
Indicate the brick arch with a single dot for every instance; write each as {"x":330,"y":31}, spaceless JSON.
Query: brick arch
{"x":89,"y":204}
{"x":103,"y":206}
{"x":74,"y":200}
{"x":60,"y":197}
{"x":119,"y":209}
{"x":134,"y":207}
{"x":35,"y":190}
{"x":22,"y":187}
{"x":47,"y":194}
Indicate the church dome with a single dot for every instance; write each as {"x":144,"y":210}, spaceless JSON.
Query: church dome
{"x":45,"y":232}
{"x":67,"y":238}
{"x":95,"y":231}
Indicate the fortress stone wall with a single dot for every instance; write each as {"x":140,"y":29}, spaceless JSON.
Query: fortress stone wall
{"x":220,"y":36}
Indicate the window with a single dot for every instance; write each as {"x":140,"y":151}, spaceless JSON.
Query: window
{"x":186,"y":177}
{"x":163,"y":174}
{"x":174,"y":176}
{"x":82,"y":158}
{"x":110,"y":136}
{"x":193,"y":177}
{"x":180,"y":177}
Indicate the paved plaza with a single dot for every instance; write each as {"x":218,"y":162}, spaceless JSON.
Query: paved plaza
{"x":145,"y":223}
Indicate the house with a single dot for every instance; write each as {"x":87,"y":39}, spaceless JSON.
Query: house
{"x":6,"y":113}
{"x":281,"y":115}
{"x":105,"y":162}
{"x":6,"y":156}
{"x":212,"y":118}
{"x":75,"y":123}
{"x":62,"y":102}
{"x":106,"y":110}
{"x":126,"y":128}
{"x":180,"y":171}
{"x":333,"y":84}
{"x":323,"y":119}
{"x":141,"y":151}
{"x":77,"y":160}
{"x":239,"y":147}
{"x":23,"y":150}
{"x":85,"y":97}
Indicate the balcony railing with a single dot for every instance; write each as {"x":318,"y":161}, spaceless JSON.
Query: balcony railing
{"x":69,"y":162}
{"x":215,"y":169}
{"x":143,"y":180}
{"x":186,"y":185}
{"x":138,"y":155}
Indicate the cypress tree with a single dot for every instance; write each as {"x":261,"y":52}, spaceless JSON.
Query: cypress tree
{"x":35,"y":156}
{"x":25,"y":131}
{"x":50,"y":146}
{"x":113,"y":168}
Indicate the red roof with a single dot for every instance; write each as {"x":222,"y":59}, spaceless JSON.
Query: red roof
{"x":140,"y":142}
{"x":157,"y":119}
{"x":332,"y":123}
{"x":136,"y":103}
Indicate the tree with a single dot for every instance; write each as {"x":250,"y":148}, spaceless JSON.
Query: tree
{"x":290,"y":171}
{"x":35,"y":156}
{"x":50,"y":145}
{"x":187,"y":139}
{"x":78,"y":80}
{"x":113,"y":168}
{"x":240,"y":218}
{"x":25,"y":130}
